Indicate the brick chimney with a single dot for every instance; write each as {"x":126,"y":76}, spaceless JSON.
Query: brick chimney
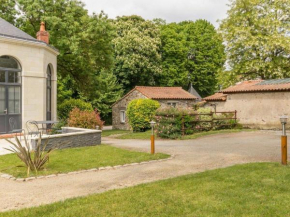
{"x":43,"y":35}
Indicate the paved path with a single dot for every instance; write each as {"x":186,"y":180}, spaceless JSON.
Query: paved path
{"x":191,"y":156}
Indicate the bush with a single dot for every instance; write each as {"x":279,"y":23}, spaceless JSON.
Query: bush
{"x":85,"y":119}
{"x":67,"y":106}
{"x":140,"y":112}
{"x":169,"y":121}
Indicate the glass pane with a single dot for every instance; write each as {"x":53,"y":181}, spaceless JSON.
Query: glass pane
{"x":8,"y":62}
{"x":2,"y":100}
{"x":2,"y":76}
{"x":18,"y":77}
{"x":11,"y":107}
{"x":17,"y":107}
{"x":17,"y":93}
{"x":48,"y":103}
{"x":11,"y":76}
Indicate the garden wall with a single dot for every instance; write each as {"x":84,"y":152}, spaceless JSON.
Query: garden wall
{"x":71,"y":138}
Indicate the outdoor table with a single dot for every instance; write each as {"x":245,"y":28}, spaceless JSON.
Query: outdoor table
{"x":50,"y":123}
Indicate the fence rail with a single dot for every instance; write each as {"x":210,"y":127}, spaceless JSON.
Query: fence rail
{"x":213,"y":122}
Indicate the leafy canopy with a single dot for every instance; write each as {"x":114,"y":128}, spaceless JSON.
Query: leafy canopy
{"x":256,"y":34}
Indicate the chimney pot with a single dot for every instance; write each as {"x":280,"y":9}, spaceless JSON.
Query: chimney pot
{"x":43,"y":35}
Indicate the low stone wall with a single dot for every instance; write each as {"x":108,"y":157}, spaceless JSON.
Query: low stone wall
{"x":70,"y":138}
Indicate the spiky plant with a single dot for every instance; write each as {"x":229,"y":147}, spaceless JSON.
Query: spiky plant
{"x":34,"y":160}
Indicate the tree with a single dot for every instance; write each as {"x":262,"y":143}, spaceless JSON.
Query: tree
{"x":256,"y":34}
{"x":84,"y":41}
{"x":192,"y":52}
{"x":137,"y":52}
{"x":8,"y":10}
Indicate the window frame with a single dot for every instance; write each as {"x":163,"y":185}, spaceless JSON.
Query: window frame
{"x":122,"y":116}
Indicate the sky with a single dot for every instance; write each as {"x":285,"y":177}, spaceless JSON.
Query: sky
{"x":169,"y":10}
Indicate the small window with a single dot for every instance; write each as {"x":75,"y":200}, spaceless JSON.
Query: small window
{"x":122,"y":116}
{"x":173,"y":104}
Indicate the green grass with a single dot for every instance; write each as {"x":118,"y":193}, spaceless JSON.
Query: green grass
{"x":259,"y":189}
{"x":73,"y":159}
{"x":146,"y":135}
{"x":213,"y":132}
{"x":114,"y":132}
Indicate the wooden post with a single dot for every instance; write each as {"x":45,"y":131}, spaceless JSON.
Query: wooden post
{"x":152,"y":144}
{"x":182,"y":126}
{"x":211,"y":123}
{"x":284,"y":149}
{"x":236,"y":116}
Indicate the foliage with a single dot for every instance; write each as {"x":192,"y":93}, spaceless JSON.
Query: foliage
{"x":140,"y":112}
{"x":256,"y":35}
{"x":57,"y":128}
{"x":67,"y":106}
{"x":8,"y":10}
{"x":81,"y":158}
{"x":85,"y":119}
{"x":191,"y":52}
{"x":84,"y":41}
{"x":107,"y":93}
{"x":170,"y":121}
{"x":33,"y":160}
{"x":137,"y":51}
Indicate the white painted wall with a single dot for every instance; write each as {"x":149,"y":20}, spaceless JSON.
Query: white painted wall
{"x":34,"y":59}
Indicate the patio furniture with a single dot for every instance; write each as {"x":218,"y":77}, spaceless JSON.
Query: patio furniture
{"x":46,"y":125}
{"x":14,"y":128}
{"x":33,"y":128}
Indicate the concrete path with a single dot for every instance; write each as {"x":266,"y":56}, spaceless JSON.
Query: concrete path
{"x":191,"y":156}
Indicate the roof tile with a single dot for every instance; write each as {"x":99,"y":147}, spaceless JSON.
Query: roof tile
{"x":216,"y":97}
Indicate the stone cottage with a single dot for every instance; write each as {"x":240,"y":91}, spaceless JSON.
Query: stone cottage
{"x":259,"y":103}
{"x":28,"y":77}
{"x":166,"y":96}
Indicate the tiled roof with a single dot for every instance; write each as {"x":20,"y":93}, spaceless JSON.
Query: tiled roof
{"x":259,"y":86}
{"x":165,"y":92}
{"x":7,"y":29}
{"x":216,"y":97}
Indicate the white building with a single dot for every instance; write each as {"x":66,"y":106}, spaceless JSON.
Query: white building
{"x":28,"y":77}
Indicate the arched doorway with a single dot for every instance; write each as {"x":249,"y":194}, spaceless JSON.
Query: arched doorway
{"x":10,"y":93}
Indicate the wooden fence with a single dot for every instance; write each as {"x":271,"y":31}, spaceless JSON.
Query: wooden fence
{"x":212,"y":123}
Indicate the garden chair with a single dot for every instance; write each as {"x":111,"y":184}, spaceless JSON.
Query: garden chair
{"x":14,"y":128}
{"x":32,"y":128}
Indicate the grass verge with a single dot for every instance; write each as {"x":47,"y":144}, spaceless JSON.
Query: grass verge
{"x":73,"y":159}
{"x":146,"y":134}
{"x":258,"y":189}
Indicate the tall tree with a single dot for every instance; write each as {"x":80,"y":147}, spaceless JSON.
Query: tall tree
{"x":84,"y":41}
{"x":8,"y":10}
{"x":192,"y":52}
{"x":256,"y":34}
{"x":137,"y":51}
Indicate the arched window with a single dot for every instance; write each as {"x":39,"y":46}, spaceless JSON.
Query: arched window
{"x":10,"y":93}
{"x":48,"y":93}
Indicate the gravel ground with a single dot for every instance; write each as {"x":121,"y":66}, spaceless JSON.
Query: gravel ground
{"x":191,"y":156}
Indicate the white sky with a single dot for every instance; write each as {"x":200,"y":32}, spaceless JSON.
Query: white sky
{"x":170,"y":10}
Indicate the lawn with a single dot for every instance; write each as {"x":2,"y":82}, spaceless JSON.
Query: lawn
{"x":73,"y":159}
{"x":123,"y":134}
{"x":258,"y":189}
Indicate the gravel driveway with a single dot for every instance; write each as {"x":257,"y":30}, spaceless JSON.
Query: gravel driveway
{"x":191,"y":156}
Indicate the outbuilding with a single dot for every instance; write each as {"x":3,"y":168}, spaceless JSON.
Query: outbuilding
{"x":166,"y":96}
{"x":259,"y":103}
{"x":28,"y":77}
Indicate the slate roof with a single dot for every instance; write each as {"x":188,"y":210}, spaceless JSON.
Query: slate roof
{"x":7,"y":29}
{"x":192,"y":91}
{"x":216,"y":97}
{"x":259,"y":86}
{"x":165,"y":92}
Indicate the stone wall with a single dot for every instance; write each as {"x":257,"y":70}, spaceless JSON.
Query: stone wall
{"x":123,"y":103}
{"x":257,"y":110}
{"x":71,"y":138}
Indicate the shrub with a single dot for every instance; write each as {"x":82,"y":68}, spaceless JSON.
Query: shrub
{"x":140,"y":112}
{"x":85,"y":119}
{"x":67,"y":106}
{"x":33,"y":160}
